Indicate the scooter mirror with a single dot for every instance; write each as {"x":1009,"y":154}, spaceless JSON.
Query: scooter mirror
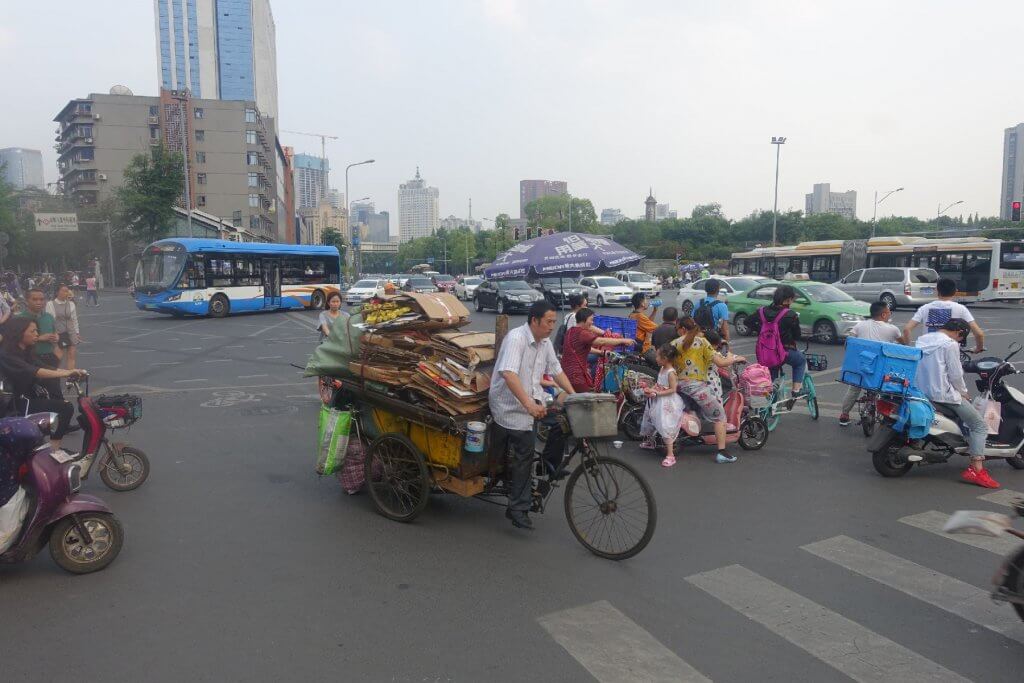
{"x":1015,"y":348}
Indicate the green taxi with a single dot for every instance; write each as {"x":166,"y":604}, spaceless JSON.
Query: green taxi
{"x":825,"y":311}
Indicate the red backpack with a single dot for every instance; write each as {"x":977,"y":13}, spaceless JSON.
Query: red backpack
{"x":770,"y":351}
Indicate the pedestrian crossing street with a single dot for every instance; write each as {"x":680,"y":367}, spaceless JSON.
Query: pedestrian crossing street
{"x":615,"y":649}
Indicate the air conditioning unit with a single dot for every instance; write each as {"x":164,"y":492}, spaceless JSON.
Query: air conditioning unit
{"x":154,"y":119}
{"x":102,"y":176}
{"x":96,"y":117}
{"x":88,"y":141}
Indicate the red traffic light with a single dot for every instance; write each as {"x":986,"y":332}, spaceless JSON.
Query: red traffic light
{"x":1015,"y":212}
{"x":1016,"y":205}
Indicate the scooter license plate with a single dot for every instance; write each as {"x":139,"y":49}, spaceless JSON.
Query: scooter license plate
{"x":62,"y":458}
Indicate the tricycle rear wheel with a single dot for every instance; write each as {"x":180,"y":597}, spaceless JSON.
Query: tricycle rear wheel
{"x":397,"y":477}
{"x":610,"y":507}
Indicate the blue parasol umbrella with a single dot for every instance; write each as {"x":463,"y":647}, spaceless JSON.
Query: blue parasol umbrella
{"x":562,"y":253}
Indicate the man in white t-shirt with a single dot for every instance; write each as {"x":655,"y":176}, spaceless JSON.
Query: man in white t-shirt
{"x":877,"y":328}
{"x":935,"y":314}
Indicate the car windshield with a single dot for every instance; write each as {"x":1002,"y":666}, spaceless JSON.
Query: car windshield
{"x":924,"y":275}
{"x":565,"y":281}
{"x":365,"y":284}
{"x":159,"y":268}
{"x":444,"y":278}
{"x":640,"y":277}
{"x":742,"y":284}
{"x":472,"y":281}
{"x":607,"y":282}
{"x":825,"y":293}
{"x":514,"y":284}
{"x":419,"y":282}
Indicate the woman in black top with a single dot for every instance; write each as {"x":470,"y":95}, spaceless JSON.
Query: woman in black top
{"x":789,"y":333}
{"x":19,"y":367}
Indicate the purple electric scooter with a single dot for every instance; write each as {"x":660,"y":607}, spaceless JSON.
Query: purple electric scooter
{"x":83,"y":534}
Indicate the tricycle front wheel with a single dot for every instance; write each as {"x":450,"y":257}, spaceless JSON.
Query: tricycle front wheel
{"x":610,"y":507}
{"x":397,"y":478}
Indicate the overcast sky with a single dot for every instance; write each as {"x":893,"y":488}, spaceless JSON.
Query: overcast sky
{"x":612,"y":96}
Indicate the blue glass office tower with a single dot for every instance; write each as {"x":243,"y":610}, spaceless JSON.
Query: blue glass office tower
{"x":219,"y":49}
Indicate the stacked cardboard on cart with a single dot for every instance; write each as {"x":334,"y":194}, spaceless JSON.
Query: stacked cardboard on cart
{"x":422,"y":349}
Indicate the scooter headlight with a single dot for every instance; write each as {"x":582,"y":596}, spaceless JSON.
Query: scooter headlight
{"x":75,"y":477}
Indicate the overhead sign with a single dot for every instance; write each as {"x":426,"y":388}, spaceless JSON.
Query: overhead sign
{"x":56,"y":222}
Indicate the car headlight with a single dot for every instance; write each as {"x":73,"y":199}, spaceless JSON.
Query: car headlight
{"x":851,"y":317}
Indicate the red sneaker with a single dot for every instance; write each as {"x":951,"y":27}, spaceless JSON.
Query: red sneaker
{"x":982,"y":478}
{"x":970,"y":475}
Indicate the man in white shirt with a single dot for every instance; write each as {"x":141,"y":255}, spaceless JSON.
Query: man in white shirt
{"x":877,"y":328}
{"x":934,"y":314}
{"x":940,"y":377}
{"x":516,"y":400}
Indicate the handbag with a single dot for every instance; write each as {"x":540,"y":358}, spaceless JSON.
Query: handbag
{"x":333,"y":429}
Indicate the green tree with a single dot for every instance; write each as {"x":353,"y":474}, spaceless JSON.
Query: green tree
{"x":553,"y":212}
{"x":461,"y":250}
{"x":152,"y":184}
{"x":714,"y":209}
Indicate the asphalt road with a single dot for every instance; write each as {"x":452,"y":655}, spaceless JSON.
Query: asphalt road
{"x":798,"y":563}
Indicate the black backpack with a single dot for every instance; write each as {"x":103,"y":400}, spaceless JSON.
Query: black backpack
{"x":704,"y":316}
{"x":560,"y":338}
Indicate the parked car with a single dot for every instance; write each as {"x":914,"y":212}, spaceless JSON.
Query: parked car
{"x":364,"y":290}
{"x":556,"y":290}
{"x":419,"y":284}
{"x":400,"y":279}
{"x":604,"y":290}
{"x":690,"y":295}
{"x":505,"y":296}
{"x":639,"y":282}
{"x":894,"y":286}
{"x":466,"y":286}
{"x":444,"y":283}
{"x":826,"y":312}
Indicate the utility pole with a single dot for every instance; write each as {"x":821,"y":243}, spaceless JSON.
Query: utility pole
{"x":182,"y":99}
{"x":110,"y":246}
{"x":778,"y":142}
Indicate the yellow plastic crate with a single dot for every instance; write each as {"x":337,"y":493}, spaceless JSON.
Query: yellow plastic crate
{"x":438,"y":447}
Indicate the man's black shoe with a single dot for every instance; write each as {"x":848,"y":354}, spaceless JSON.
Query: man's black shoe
{"x":559,"y":475}
{"x":520,"y":520}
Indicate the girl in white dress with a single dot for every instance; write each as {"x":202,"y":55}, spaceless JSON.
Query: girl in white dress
{"x":664,"y":410}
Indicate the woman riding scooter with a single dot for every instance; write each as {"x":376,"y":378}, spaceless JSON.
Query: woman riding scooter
{"x":19,"y":367}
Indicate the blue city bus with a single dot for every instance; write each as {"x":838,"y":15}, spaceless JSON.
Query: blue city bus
{"x":186,"y":276}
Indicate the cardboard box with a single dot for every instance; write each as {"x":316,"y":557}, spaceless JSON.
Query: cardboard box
{"x":440,"y":310}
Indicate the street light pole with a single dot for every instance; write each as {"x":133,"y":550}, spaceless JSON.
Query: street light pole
{"x":110,"y":246}
{"x":348,"y":216}
{"x":942,"y":211}
{"x":570,"y":214}
{"x":878,"y":201}
{"x":778,"y":142}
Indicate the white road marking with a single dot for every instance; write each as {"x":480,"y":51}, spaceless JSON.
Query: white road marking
{"x":856,"y":651}
{"x":91,"y":353}
{"x":933,"y":521}
{"x":945,"y":592}
{"x":237,"y":346}
{"x":613,"y":648}
{"x":193,"y":348}
{"x":181,"y":381}
{"x":218,"y":360}
{"x":143,"y":350}
{"x":268,"y":357}
{"x":267,"y":329}
{"x":169,"y":362}
{"x":1003,"y":497}
{"x":102,"y":367}
{"x":251,"y":376}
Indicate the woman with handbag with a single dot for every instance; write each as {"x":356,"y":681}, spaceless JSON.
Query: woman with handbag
{"x":64,"y":312}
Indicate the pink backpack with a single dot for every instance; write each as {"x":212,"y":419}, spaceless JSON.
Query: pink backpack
{"x":769,"y":349}
{"x":756,"y":380}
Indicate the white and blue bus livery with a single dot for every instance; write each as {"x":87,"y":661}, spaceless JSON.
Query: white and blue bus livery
{"x":219,"y":277}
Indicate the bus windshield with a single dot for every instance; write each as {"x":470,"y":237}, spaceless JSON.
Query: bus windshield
{"x":1011,"y":256}
{"x":159,"y":268}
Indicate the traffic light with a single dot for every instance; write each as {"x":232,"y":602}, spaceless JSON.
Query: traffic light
{"x":1015,"y":212}
{"x":515,"y":234}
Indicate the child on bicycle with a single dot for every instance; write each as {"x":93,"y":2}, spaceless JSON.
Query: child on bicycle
{"x":878,"y":328}
{"x":694,"y":365}
{"x":664,"y":410}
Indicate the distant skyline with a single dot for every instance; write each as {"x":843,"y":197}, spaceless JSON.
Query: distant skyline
{"x":482,"y":94}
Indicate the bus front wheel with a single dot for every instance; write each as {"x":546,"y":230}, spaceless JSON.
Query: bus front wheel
{"x":316,"y":301}
{"x":219,"y":306}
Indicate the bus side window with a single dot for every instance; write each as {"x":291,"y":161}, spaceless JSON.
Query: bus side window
{"x":219,"y":272}
{"x":292,"y":271}
{"x":195,"y":272}
{"x":314,"y":270}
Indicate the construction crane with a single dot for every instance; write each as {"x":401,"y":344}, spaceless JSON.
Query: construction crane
{"x":323,"y":152}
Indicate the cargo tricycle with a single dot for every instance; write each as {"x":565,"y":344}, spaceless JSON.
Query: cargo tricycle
{"x":413,"y":451}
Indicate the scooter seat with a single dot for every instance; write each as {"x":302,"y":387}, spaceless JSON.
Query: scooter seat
{"x":944,"y":409}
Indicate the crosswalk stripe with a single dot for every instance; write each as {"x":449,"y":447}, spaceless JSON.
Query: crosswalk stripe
{"x":945,"y":592}
{"x":1003,"y":497}
{"x":856,"y":651}
{"x":614,"y":648}
{"x":933,"y":521}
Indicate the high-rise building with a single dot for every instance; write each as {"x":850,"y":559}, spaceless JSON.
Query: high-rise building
{"x":218,"y":50}
{"x":662,"y":212}
{"x":418,"y":209}
{"x":822,"y":200}
{"x":229,"y":148}
{"x":336,"y":198}
{"x":530,"y":190}
{"x":650,"y":207}
{"x":319,"y":218}
{"x":1012,"y":189}
{"x":455,"y":223}
{"x":611,"y":216}
{"x":311,"y":178}
{"x":22,"y":167}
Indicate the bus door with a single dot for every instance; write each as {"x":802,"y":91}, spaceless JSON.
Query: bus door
{"x":271,"y":283}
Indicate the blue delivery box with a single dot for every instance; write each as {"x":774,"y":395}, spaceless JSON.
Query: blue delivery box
{"x":879,"y":366}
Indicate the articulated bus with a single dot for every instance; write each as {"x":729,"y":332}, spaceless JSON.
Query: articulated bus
{"x":984,"y":269}
{"x":219,"y":277}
